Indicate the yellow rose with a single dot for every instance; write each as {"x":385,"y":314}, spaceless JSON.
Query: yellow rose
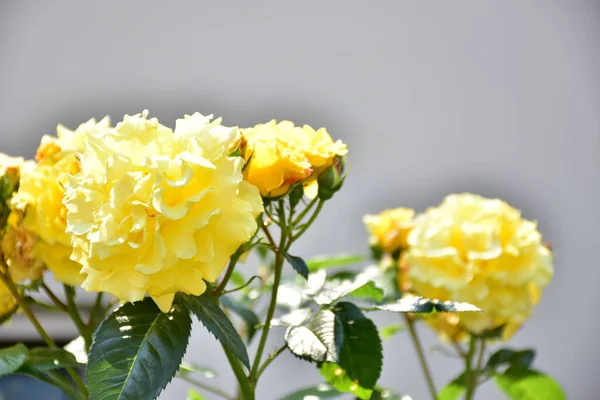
{"x":41,"y":193}
{"x":279,"y":155}
{"x":476,"y":250}
{"x":389,"y":229}
{"x":157,"y":212}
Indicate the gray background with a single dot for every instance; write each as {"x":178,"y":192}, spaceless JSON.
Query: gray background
{"x":501,"y":98}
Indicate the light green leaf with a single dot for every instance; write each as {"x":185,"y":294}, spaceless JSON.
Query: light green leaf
{"x":455,"y":389}
{"x":361,"y":354}
{"x":136,"y":351}
{"x":368,"y":291}
{"x":12,"y":358}
{"x":250,"y":318}
{"x":193,"y":368}
{"x":214,"y":319}
{"x":390,"y":330}
{"x":298,"y":264}
{"x":319,"y":392}
{"x":413,"y":304}
{"x":360,"y":286}
{"x":42,"y":359}
{"x":339,"y":379}
{"x":193,"y":395}
{"x":339,"y":260}
{"x":294,"y":318}
{"x":528,"y":384}
{"x":318,"y":340}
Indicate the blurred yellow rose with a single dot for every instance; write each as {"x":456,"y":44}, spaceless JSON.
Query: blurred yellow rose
{"x":477,"y":250}
{"x":16,"y":243}
{"x":389,"y":229}
{"x":279,"y":155}
{"x":41,"y":193}
{"x":157,"y":212}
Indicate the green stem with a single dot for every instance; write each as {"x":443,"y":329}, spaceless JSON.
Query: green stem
{"x":247,"y":391}
{"x":301,"y":216}
{"x":72,"y":310}
{"x":270,"y":359}
{"x":312,"y":219}
{"x":273,"y":303}
{"x":421,"y":355}
{"x":205,"y":386}
{"x":38,"y":327}
{"x":230,"y":267}
{"x":95,"y":310}
{"x":54,"y":298}
{"x":471,"y":373}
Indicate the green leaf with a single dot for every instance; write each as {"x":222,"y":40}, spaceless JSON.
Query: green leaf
{"x":319,"y":392}
{"x":368,"y":291}
{"x":193,"y":395}
{"x":137,"y":350}
{"x":12,"y":358}
{"x":298,"y":264}
{"x":339,"y":260}
{"x":214,"y":319}
{"x":318,"y":340}
{"x":361,"y":354}
{"x":384,"y":278}
{"x":384,"y":394}
{"x":421,"y":305}
{"x":250,"y":318}
{"x":360,"y":286}
{"x":528,"y":384}
{"x":193,"y":368}
{"x":390,"y":330}
{"x":339,"y":379}
{"x":42,"y":359}
{"x":455,"y":389}
{"x":518,"y":359}
{"x":294,"y":318}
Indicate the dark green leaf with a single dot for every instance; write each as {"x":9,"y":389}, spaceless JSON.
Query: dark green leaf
{"x":339,"y":379}
{"x":136,"y":351}
{"x":425,"y":306}
{"x":193,"y":395}
{"x":528,"y":384}
{"x":455,"y":389}
{"x":361,"y":355}
{"x":339,"y":260}
{"x":250,"y":318}
{"x":511,"y":358}
{"x":319,"y":392}
{"x":298,"y":264}
{"x":390,"y":330}
{"x":43,"y":359}
{"x":319,"y":340}
{"x":495,"y":333}
{"x":192,"y":368}
{"x":11,"y":358}
{"x":214,"y":319}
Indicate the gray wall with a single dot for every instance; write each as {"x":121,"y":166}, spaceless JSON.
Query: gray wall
{"x":501,"y":98}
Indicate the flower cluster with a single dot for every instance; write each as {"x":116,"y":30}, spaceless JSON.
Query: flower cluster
{"x":281,"y":155}
{"x":469,"y":249}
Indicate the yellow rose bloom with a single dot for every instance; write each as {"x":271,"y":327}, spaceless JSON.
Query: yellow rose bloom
{"x":389,"y":229}
{"x":157,"y":212}
{"x":41,"y":193}
{"x":477,"y":250}
{"x":279,"y":155}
